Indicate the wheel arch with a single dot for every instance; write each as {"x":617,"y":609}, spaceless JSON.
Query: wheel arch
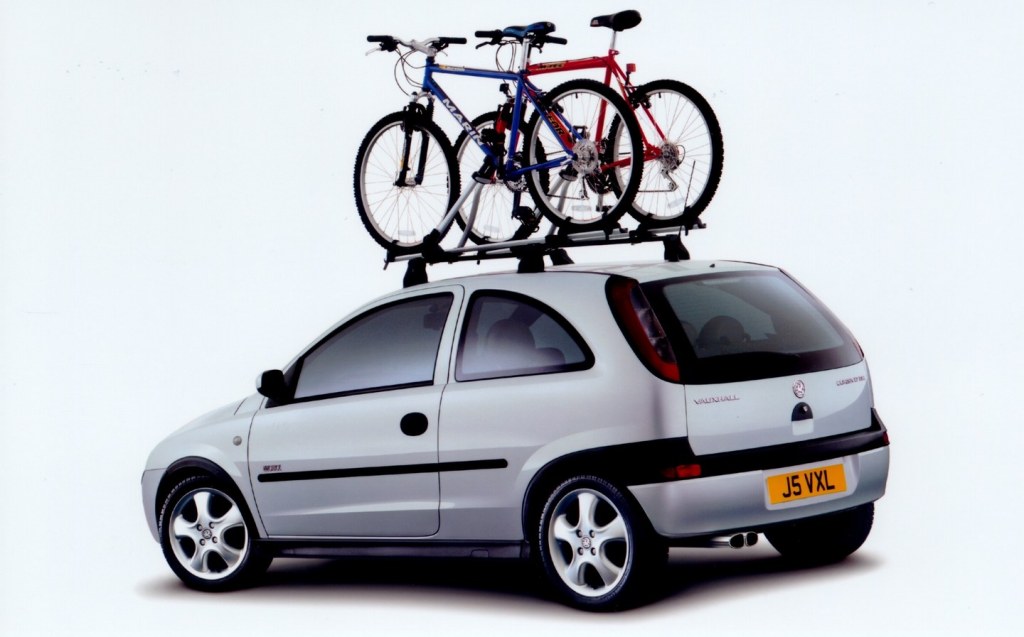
{"x":615,"y":464}
{"x":197,"y":466}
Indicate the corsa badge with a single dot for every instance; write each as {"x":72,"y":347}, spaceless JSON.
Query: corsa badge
{"x":799,"y":389}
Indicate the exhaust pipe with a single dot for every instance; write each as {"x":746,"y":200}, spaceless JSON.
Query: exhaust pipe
{"x":736,"y":541}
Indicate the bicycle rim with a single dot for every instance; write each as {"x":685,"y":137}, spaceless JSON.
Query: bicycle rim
{"x":400,"y":215}
{"x":595,"y":184}
{"x":683,"y":178}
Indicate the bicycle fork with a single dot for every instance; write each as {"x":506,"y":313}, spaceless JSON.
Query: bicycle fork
{"x":413,"y":111}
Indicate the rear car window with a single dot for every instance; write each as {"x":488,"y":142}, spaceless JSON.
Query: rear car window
{"x":509,"y":334}
{"x":732,"y":327}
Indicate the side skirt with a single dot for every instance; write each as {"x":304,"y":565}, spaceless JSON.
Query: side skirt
{"x":376,"y":548}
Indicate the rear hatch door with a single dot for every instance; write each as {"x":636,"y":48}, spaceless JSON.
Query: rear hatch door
{"x":764,"y":363}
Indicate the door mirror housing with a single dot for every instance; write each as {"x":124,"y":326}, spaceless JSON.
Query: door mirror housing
{"x":271,"y":384}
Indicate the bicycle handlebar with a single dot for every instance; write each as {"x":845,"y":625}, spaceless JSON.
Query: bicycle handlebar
{"x":427,"y":47}
{"x":497,"y":36}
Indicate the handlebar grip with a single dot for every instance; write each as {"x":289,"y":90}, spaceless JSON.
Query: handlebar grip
{"x":496,"y":33}
{"x":552,"y":39}
{"x":387,"y":42}
{"x":445,"y":40}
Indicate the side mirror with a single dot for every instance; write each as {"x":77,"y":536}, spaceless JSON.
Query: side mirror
{"x":272,"y":385}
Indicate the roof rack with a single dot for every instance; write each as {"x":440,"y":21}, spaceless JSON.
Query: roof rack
{"x":531,"y":252}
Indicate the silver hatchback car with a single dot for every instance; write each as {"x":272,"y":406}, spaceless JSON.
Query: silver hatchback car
{"x":585,"y":417}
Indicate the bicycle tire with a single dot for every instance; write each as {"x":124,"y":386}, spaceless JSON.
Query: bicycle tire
{"x":678,"y":186}
{"x":494,"y":222}
{"x":599,"y":197}
{"x":400,"y":217}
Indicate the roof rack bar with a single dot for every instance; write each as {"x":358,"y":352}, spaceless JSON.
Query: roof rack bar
{"x":509,"y":249}
{"x":531,"y":251}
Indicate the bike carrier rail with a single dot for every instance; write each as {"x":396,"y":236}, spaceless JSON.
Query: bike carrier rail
{"x":531,"y":251}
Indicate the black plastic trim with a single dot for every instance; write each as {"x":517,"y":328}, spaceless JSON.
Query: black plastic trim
{"x":644,"y":462}
{"x":795,"y":453}
{"x":397,"y":548}
{"x":393,"y":470}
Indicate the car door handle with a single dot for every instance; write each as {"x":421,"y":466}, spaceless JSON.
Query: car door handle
{"x":414,"y":424}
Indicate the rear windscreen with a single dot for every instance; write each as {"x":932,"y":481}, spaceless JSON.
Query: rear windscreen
{"x":742,"y":326}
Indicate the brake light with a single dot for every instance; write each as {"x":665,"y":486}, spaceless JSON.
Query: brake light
{"x":642,"y":329}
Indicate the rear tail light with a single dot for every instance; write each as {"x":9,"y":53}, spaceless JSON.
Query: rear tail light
{"x":642,"y":329}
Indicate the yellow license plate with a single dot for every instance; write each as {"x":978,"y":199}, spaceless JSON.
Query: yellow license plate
{"x":809,"y":483}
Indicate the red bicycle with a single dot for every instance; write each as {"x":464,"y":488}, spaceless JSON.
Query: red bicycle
{"x":682,"y":147}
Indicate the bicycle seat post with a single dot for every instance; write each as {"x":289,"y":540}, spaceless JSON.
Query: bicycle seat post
{"x":524,"y":55}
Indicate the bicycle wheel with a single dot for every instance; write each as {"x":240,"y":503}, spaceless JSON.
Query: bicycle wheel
{"x":679,"y":182}
{"x":494,"y":200}
{"x":600,"y":174}
{"x":400,"y":207}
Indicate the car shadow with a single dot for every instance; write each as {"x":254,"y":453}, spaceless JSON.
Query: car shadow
{"x":692,"y":577}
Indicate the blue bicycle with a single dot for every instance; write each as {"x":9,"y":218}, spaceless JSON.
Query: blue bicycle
{"x":577,"y":174}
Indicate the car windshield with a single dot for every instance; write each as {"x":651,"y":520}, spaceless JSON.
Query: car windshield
{"x":731,"y":327}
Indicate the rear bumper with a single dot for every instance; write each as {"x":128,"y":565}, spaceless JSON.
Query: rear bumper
{"x":739,"y":501}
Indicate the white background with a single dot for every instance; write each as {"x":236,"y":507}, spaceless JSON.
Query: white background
{"x":177,"y":215}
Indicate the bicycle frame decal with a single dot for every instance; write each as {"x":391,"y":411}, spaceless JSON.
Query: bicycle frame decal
{"x":548,"y":66}
{"x":462,"y":120}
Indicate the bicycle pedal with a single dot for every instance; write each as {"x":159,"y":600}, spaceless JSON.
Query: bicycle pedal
{"x":530,"y":220}
{"x":483,"y":179}
{"x":485,"y":175}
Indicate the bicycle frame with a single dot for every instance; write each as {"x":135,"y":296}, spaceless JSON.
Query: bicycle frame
{"x":525,"y":91}
{"x":611,"y":69}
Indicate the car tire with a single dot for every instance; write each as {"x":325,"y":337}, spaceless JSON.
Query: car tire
{"x":823,"y":539}
{"x":208,"y":537}
{"x":595,"y":546}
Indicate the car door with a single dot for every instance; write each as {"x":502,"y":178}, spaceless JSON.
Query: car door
{"x":354,"y":452}
{"x":522,"y":377}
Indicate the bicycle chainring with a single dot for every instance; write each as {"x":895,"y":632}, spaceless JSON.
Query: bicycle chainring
{"x":586,"y":158}
{"x":519,"y":183}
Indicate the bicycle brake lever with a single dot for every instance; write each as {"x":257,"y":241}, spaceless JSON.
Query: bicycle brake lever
{"x":375,"y":49}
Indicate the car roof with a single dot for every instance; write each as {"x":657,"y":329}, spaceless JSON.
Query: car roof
{"x":641,"y":271}
{"x":655,"y":270}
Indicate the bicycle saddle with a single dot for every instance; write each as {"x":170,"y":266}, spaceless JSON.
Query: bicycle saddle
{"x":618,"y":21}
{"x":537,"y":28}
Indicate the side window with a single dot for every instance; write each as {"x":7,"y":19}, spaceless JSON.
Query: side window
{"x":512,"y":335}
{"x":392,"y":346}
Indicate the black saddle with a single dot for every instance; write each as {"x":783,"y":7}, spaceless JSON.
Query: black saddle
{"x":535,"y":29}
{"x":618,"y":21}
